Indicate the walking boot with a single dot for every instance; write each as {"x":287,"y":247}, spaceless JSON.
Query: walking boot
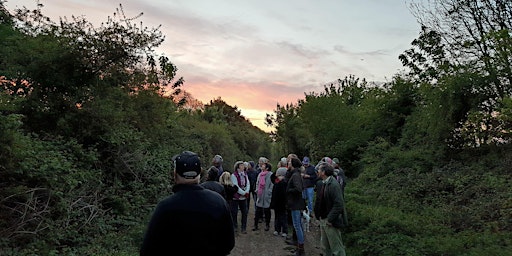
{"x":300,"y":250}
{"x":290,"y":242}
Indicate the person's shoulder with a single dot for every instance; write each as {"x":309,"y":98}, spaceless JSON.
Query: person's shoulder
{"x":211,"y":193}
{"x":333,"y":181}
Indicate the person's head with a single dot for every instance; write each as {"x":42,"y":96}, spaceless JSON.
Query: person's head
{"x":283,"y":162}
{"x":252,"y":164}
{"x":266,"y":167}
{"x":262,"y":160}
{"x":327,"y":159}
{"x":296,"y":163}
{"x":281,"y":172}
{"x":335,"y":162}
{"x":217,"y":160}
{"x":289,"y":158}
{"x":305,"y":161}
{"x":325,"y":170}
{"x":212,"y":173}
{"x":187,"y":168}
{"x":225,"y":178}
{"x":239,"y":166}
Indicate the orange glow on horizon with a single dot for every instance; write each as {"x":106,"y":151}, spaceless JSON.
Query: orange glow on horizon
{"x":253,"y":100}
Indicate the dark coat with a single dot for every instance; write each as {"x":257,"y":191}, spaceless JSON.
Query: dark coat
{"x":214,"y":186}
{"x":330,"y":203}
{"x":230,"y":192}
{"x":278,"y":202}
{"x":190,"y":217}
{"x":253,"y":177}
{"x":309,"y":182}
{"x":294,"y":191}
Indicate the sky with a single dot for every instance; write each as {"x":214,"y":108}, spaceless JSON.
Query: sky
{"x":257,"y":54}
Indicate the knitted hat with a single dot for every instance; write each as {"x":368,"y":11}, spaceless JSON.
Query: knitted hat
{"x":281,"y":171}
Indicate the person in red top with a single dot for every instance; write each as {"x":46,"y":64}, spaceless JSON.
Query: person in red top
{"x":240,"y":180}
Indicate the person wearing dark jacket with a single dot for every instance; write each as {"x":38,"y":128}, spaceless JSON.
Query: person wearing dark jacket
{"x":229,"y":188}
{"x":192,"y":217}
{"x":330,"y":211}
{"x":278,"y":203}
{"x":217,"y":162}
{"x":309,"y":178}
{"x":296,"y":203}
{"x":252,"y":174}
{"x":212,"y":183}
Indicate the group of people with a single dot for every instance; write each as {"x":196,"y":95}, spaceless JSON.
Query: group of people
{"x":208,"y":211}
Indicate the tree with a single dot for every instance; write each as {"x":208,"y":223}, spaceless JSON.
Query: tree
{"x":82,"y":60}
{"x":468,"y":40}
{"x":474,"y":32}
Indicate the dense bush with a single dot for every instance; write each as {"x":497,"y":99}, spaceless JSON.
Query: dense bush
{"x":461,"y":208}
{"x":89,"y":122}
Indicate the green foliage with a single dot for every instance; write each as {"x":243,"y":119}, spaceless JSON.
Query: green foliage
{"x":456,"y":210}
{"x":47,"y":189}
{"x":330,"y":123}
{"x":87,"y":133}
{"x":289,"y":129}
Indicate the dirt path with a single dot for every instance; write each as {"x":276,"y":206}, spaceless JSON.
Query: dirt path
{"x":263,"y":243}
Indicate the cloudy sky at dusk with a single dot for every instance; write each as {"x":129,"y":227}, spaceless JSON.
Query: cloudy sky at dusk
{"x":256,"y":54}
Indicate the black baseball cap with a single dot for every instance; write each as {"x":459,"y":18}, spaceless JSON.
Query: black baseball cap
{"x":187,"y":164}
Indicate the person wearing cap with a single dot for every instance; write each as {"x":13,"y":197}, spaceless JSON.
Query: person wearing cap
{"x":193,"y":218}
{"x":339,"y":174}
{"x":309,"y":179}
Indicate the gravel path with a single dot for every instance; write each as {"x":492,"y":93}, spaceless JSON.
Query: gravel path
{"x":263,"y":243}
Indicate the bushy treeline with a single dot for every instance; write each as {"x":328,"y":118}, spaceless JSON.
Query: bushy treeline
{"x":90,"y":118}
{"x":428,"y":153}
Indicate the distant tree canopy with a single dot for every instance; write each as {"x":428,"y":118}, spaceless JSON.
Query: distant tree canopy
{"x":452,"y":95}
{"x":89,"y":120}
{"x":431,"y":147}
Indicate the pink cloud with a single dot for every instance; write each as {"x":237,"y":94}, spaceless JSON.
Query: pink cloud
{"x":262,"y":96}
